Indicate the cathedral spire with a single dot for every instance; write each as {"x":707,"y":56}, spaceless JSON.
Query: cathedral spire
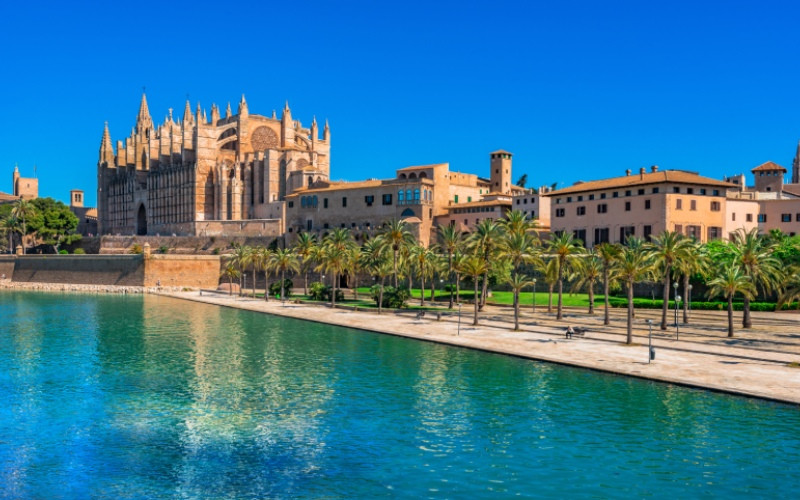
{"x":796,"y":166}
{"x":143,"y":120}
{"x":187,"y":112}
{"x":215,"y":114}
{"x":228,"y":112}
{"x":106,"y":148}
{"x":243,"y":107}
{"x":326,"y":132}
{"x":314,"y":130}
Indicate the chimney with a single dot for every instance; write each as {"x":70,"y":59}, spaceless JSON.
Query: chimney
{"x":641,"y":172}
{"x":654,"y":168}
{"x":628,"y":172}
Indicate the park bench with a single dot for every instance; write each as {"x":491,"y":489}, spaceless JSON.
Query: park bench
{"x":577,"y":331}
{"x":420,"y":315}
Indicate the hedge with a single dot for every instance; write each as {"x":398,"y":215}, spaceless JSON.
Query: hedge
{"x":698,"y":305}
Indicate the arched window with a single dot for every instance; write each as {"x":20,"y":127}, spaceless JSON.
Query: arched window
{"x":302,"y":202}
{"x":422,"y":175}
{"x":400,"y":196}
{"x":416,"y":195}
{"x":407,"y":213}
{"x":402,"y":176}
{"x":412,"y":175}
{"x":408,"y":195}
{"x":314,"y":201}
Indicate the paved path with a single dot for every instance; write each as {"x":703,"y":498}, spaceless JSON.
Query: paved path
{"x":757,"y":366}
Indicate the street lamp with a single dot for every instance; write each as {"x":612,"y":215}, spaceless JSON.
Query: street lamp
{"x":677,"y":301}
{"x":689,"y":298}
{"x":675,"y":287}
{"x":651,"y":353}
{"x":534,"y":295}
{"x":241,"y":292}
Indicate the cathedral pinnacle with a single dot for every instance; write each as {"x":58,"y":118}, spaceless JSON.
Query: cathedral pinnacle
{"x":243,"y":106}
{"x":187,"y":112}
{"x":143,"y":120}
{"x":228,"y":112}
{"x":106,"y":148}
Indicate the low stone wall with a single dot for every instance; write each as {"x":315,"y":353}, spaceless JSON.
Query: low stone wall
{"x":193,"y":271}
{"x":185,"y":245}
{"x":7,"y":266}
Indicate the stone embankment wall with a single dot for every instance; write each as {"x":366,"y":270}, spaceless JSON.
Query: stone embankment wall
{"x":192,"y":271}
{"x":193,"y":245}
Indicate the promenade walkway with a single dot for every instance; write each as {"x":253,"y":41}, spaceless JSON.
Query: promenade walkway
{"x":761,"y":362}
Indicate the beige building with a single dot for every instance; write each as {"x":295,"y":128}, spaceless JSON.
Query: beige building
{"x":26,"y":188}
{"x":771,"y":203}
{"x":87,"y":216}
{"x":207,"y":176}
{"x":643,"y":204}
{"x":424,"y":196}
{"x":536,"y":205}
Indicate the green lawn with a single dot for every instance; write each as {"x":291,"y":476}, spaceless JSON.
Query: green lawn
{"x":578,"y":299}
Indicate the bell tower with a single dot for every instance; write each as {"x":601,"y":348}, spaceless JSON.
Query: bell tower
{"x":500,"y":163}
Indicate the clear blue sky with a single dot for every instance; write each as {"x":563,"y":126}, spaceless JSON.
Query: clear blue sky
{"x":576,"y":90}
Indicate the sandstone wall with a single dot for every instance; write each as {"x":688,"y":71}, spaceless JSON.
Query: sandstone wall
{"x":118,"y":270}
{"x":196,"y":271}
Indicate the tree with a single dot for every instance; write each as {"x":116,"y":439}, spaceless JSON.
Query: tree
{"x":563,"y":247}
{"x":282,"y":260}
{"x":261,"y":259}
{"x":241,"y":259}
{"x":22,"y":211}
{"x":667,"y":250}
{"x":336,"y":256}
{"x":632,"y":266}
{"x":230,"y":272}
{"x":396,"y":235}
{"x":422,"y":260}
{"x":517,"y":222}
{"x":586,"y":273}
{"x":475,"y":266}
{"x":518,"y":247}
{"x":53,"y":222}
{"x":517,"y":282}
{"x":451,"y":241}
{"x":755,"y":256}
{"x":608,"y":254}
{"x":375,"y":260}
{"x":8,"y":226}
{"x":304,"y":249}
{"x":695,"y":262}
{"x":484,"y":241}
{"x":729,"y":279}
{"x":523,"y":179}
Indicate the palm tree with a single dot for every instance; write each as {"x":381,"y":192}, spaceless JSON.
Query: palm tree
{"x":563,"y":247}
{"x":695,"y":262}
{"x":22,"y":210}
{"x":586,"y":273}
{"x":241,"y":259}
{"x":667,"y":250}
{"x":516,"y":221}
{"x":282,"y":260}
{"x":304,"y":249}
{"x":459,"y":258}
{"x":261,"y":258}
{"x":230,"y":272}
{"x":518,"y":247}
{"x":382,"y":270}
{"x":484,"y":242}
{"x":790,"y":288}
{"x":517,"y":282}
{"x":354,"y":266}
{"x":334,"y":261}
{"x":551,"y":278}
{"x":451,"y":241}
{"x":375,"y":260}
{"x":9,"y":225}
{"x":632,"y":266}
{"x":728,"y":281}
{"x":755,"y":256}
{"x":608,"y":254}
{"x":475,"y":266}
{"x":421,"y":261}
{"x":396,"y":235}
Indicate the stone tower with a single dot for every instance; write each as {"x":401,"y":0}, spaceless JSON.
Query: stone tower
{"x":796,"y":166}
{"x":769,"y":177}
{"x":500,"y":171}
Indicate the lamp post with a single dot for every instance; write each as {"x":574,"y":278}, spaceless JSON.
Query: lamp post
{"x":677,"y":301}
{"x":675,"y":287}
{"x":689,"y":297}
{"x":534,"y":295}
{"x":241,"y":292}
{"x":458,"y":333}
{"x":651,"y":353}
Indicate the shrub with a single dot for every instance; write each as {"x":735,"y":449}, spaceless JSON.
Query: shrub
{"x":79,"y":251}
{"x":275,"y":288}
{"x":215,"y":251}
{"x":319,"y":291}
{"x":716,"y":305}
{"x":393,"y":298}
{"x":136,"y":249}
{"x":163,"y":249}
{"x":63,"y":252}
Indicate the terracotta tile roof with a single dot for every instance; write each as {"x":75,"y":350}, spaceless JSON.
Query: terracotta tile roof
{"x":92,"y":212}
{"x":500,"y":151}
{"x":471,"y":204}
{"x":337,"y":186}
{"x":792,"y":189}
{"x":417,"y":167}
{"x":7,"y":197}
{"x":768,"y":167}
{"x":676,"y":176}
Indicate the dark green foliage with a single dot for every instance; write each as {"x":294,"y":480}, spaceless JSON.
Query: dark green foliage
{"x":79,"y":251}
{"x":275,"y":288}
{"x":53,"y":222}
{"x":63,"y":252}
{"x":697,"y":305}
{"x":393,"y":298}
{"x":163,"y":249}
{"x":318,"y":291}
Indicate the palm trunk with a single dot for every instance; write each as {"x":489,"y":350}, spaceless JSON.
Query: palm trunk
{"x":606,"y":319}
{"x":591,"y":298}
{"x":458,"y":287}
{"x":266,"y":286}
{"x":686,"y":299}
{"x":629,"y":339}
{"x":450,"y":277}
{"x":394,"y":260}
{"x":230,"y":285}
{"x":516,"y":309}
{"x":283,"y":280}
{"x":559,"y":313}
{"x":355,"y":286}
{"x":665,"y":301}
{"x":254,"y":281}
{"x":305,"y":282}
{"x":747,"y":321}
{"x":333,"y":291}
{"x":730,"y":315}
{"x":433,"y":288}
{"x":380,"y":296}
{"x":550,"y":287}
{"x":422,"y":290}
{"x":477,"y":300}
{"x":484,"y":290}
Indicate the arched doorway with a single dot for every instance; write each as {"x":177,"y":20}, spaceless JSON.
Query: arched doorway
{"x":141,"y":222}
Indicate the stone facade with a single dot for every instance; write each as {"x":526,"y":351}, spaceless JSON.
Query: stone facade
{"x":188,"y":176}
{"x":26,"y":188}
{"x":87,"y":216}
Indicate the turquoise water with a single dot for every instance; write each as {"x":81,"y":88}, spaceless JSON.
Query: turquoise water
{"x":142,"y":397}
